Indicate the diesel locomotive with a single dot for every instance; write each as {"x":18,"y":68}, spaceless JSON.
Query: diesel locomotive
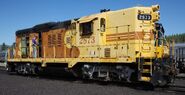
{"x":123,"y":45}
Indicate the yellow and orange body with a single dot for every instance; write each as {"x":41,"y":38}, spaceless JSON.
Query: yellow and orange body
{"x":126,"y":36}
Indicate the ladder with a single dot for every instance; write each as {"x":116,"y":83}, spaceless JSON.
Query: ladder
{"x":146,"y":69}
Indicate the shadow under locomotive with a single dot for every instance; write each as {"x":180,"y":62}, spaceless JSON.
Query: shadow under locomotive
{"x":55,"y":72}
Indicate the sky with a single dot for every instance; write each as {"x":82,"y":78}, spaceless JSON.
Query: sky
{"x":21,"y":14}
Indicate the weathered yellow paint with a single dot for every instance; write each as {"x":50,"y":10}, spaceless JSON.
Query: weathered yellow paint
{"x":120,"y":24}
{"x":125,"y":38}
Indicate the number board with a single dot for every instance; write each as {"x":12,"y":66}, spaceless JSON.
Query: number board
{"x":144,"y":17}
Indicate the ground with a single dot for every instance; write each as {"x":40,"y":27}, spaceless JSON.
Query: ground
{"x":12,"y":84}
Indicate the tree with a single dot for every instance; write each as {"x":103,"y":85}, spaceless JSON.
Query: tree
{"x":179,"y":38}
{"x":4,"y":47}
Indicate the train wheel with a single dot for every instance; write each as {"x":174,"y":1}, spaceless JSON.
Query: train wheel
{"x":10,"y":68}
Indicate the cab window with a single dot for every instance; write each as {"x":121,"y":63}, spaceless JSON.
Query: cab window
{"x":86,"y":28}
{"x":102,"y":24}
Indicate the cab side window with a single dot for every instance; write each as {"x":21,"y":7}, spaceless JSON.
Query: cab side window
{"x":86,"y":28}
{"x":102,"y":24}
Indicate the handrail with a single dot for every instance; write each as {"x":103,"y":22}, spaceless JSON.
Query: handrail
{"x":118,"y":26}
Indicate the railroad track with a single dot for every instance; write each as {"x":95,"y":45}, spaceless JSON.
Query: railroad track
{"x":180,"y":76}
{"x":39,"y":85}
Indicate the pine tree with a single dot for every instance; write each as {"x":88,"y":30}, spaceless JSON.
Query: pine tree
{"x":4,"y":47}
{"x":179,"y":38}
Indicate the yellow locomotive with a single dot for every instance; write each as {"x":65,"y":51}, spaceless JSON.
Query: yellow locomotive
{"x":122,"y":45}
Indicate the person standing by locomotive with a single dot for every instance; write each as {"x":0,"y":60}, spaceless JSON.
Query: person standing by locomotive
{"x":34,"y":45}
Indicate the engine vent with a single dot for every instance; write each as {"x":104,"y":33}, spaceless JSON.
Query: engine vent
{"x":107,"y":52}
